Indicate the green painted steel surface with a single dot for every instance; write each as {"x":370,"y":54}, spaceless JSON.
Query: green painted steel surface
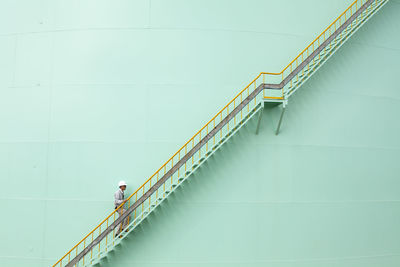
{"x":92,"y":92}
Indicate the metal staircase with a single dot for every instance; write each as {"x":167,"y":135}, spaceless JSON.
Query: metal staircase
{"x":266,"y":87}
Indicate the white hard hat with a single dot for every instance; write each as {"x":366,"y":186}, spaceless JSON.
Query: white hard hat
{"x":121,"y":183}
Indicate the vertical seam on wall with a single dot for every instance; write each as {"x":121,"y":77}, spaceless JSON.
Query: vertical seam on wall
{"x":15,"y":61}
{"x":49,"y":118}
{"x":149,"y":26}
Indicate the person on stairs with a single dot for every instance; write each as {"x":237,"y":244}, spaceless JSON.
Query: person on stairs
{"x":118,"y":200}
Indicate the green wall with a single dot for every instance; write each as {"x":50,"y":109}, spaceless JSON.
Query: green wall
{"x":92,"y":92}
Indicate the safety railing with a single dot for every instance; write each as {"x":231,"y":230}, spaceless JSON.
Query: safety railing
{"x":181,"y":172}
{"x":201,"y":145}
{"x":286,"y":78}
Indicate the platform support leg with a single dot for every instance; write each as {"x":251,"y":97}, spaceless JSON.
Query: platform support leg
{"x":259,"y":118}
{"x":280,"y":119}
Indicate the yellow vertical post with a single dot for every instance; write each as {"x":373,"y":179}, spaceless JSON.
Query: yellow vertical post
{"x":207,"y":141}
{"x":185,"y":154}
{"x":248,"y":95}
{"x":107,"y":234}
{"x":255,"y":87}
{"x":129,"y":204}
{"x":192,"y":147}
{"x":215,"y":133}
{"x":150,"y":195}
{"x":179,"y":158}
{"x":220,"y":131}
{"x":112,"y":236}
{"x":143,"y":194}
{"x":157,"y":190}
{"x":84,"y":245}
{"x":227,"y":115}
{"x":263,"y":94}
{"x":171,"y":181}
{"x":100,"y":233}
{"x":200,"y":147}
{"x":319,"y":54}
{"x":135,"y":208}
{"x":234,"y":106}
{"x":291,"y":80}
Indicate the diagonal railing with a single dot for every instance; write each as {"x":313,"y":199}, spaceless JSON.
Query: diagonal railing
{"x":353,"y":17}
{"x":265,"y":87}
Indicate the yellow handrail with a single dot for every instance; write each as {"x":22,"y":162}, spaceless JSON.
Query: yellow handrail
{"x":344,"y":12}
{"x":208,"y":123}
